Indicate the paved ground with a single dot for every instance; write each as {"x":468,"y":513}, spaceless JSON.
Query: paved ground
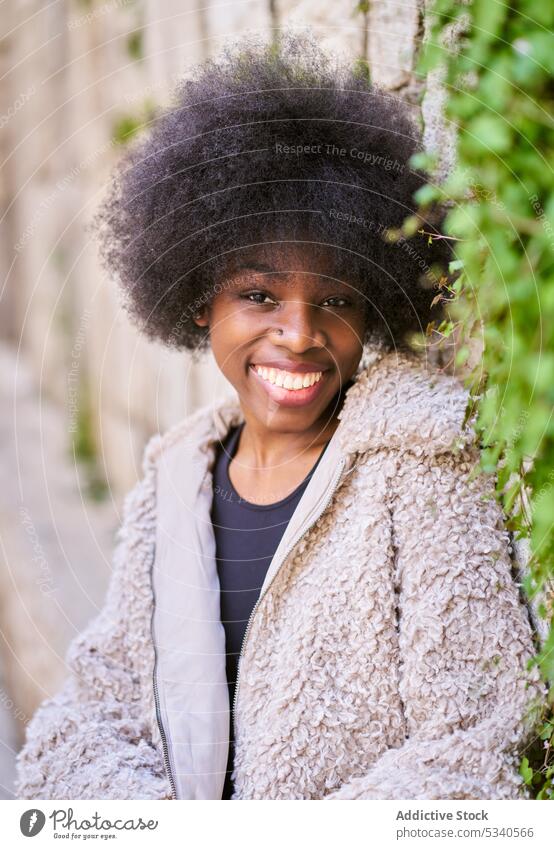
{"x":55,"y":552}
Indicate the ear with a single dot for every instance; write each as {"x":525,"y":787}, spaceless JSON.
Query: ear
{"x":201,"y":318}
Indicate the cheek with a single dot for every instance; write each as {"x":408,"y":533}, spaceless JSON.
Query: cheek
{"x":242,"y":326}
{"x":231,"y":330}
{"x":347,"y":333}
{"x":348,"y":347}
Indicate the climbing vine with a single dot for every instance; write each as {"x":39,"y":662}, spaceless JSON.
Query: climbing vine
{"x":497,"y":61}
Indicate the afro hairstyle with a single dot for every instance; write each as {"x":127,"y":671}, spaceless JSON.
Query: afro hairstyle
{"x":266,"y":145}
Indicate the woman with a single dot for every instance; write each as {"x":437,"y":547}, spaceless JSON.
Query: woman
{"x":312,"y":595}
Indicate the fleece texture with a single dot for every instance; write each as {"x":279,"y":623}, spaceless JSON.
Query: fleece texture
{"x":388,"y":657}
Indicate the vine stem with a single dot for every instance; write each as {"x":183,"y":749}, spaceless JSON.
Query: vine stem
{"x":439,"y":236}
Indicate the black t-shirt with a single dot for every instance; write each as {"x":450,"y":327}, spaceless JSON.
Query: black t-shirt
{"x":246,"y":536}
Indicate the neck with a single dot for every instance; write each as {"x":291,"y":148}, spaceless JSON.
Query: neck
{"x":263,"y":448}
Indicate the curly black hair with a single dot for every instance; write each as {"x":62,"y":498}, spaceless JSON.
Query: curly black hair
{"x":265,"y":145}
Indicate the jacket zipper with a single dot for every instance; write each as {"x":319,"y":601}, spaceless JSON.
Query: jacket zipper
{"x":165,"y":747}
{"x":283,"y":558}
{"x":162,"y":733}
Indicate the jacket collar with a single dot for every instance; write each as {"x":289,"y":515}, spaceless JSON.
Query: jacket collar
{"x":397,"y":400}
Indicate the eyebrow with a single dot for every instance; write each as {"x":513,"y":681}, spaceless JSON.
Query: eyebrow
{"x":257,"y":266}
{"x":267,"y":269}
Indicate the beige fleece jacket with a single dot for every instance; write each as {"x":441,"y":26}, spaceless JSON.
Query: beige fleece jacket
{"x":386,"y":657}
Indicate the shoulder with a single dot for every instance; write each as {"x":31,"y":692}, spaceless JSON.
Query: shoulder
{"x":194,"y":432}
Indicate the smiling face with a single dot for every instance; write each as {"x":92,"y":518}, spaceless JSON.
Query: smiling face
{"x":281,"y":322}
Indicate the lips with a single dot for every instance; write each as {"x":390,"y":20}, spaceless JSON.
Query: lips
{"x":290,"y":397}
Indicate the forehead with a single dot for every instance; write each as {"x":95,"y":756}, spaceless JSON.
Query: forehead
{"x":291,"y":264}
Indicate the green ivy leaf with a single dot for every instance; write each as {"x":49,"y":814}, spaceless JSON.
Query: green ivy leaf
{"x":525,"y":771}
{"x":488,"y":133}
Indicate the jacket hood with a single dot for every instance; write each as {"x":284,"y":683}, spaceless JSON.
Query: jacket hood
{"x":396,"y":401}
{"x":399,"y":402}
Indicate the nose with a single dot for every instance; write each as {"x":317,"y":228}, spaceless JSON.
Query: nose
{"x":299,"y":327}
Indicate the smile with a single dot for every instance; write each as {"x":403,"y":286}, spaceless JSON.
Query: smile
{"x":289,"y":389}
{"x":288,"y":379}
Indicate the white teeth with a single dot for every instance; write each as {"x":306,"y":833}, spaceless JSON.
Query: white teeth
{"x":287,"y":379}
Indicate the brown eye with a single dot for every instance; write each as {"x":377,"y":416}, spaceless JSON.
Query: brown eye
{"x":346,"y":302}
{"x":249,"y":295}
